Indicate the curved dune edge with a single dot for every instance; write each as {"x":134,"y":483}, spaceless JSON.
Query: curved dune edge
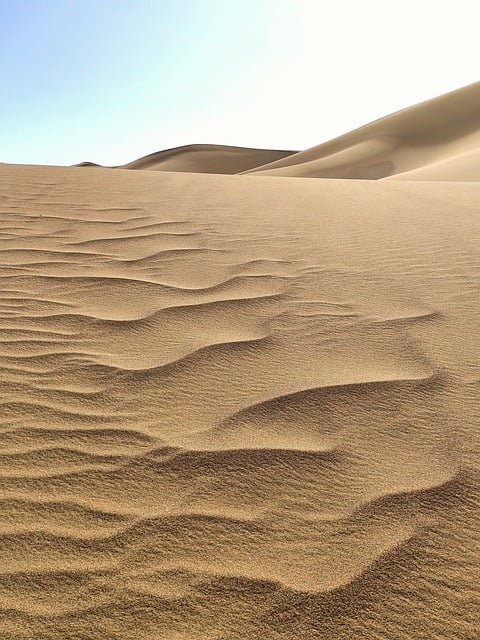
{"x":461,"y":167}
{"x":438,"y":139}
{"x":435,"y":140}
{"x":203,"y":158}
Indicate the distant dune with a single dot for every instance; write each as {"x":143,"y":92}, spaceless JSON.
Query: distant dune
{"x":238,"y":407}
{"x":87,"y":164}
{"x":439,"y":138}
{"x":463,"y":166}
{"x":435,"y":140}
{"x":204,"y":158}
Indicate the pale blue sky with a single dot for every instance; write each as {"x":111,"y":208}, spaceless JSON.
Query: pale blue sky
{"x":112,"y":80}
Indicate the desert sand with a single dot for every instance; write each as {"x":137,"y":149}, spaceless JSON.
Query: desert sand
{"x":204,"y":158}
{"x":246,"y":407}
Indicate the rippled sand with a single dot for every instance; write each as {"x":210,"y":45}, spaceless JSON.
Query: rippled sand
{"x":238,"y":407}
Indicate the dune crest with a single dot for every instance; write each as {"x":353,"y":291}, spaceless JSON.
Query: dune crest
{"x":435,"y":140}
{"x":203,"y":158}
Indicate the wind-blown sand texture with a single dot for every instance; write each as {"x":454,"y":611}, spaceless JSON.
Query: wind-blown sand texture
{"x":238,"y":407}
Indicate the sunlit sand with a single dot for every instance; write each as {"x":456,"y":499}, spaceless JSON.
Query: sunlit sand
{"x":246,"y":406}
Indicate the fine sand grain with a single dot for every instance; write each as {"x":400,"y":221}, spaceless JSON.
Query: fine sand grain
{"x":241,"y":407}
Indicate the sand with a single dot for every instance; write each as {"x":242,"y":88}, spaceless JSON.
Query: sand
{"x":204,"y":158}
{"x":435,"y":140}
{"x":238,"y":407}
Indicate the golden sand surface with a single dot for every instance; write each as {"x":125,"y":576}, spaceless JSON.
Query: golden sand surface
{"x":238,"y":407}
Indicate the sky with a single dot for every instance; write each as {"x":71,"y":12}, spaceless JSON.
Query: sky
{"x":109,"y":81}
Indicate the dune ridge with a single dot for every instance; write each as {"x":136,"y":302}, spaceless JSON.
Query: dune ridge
{"x":202,"y":158}
{"x":436,"y":140}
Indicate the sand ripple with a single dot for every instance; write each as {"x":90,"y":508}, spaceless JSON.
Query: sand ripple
{"x":228,"y":414}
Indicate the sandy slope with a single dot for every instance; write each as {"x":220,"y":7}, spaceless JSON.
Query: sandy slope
{"x":435,"y":140}
{"x":204,"y":158}
{"x":459,"y":167}
{"x":238,"y":408}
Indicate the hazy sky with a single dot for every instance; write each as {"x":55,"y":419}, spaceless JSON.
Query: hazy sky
{"x":112,"y":80}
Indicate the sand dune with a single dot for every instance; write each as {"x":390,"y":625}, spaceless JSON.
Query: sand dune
{"x":435,"y":140}
{"x":238,"y":407}
{"x":204,"y":158}
{"x":461,"y":167}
